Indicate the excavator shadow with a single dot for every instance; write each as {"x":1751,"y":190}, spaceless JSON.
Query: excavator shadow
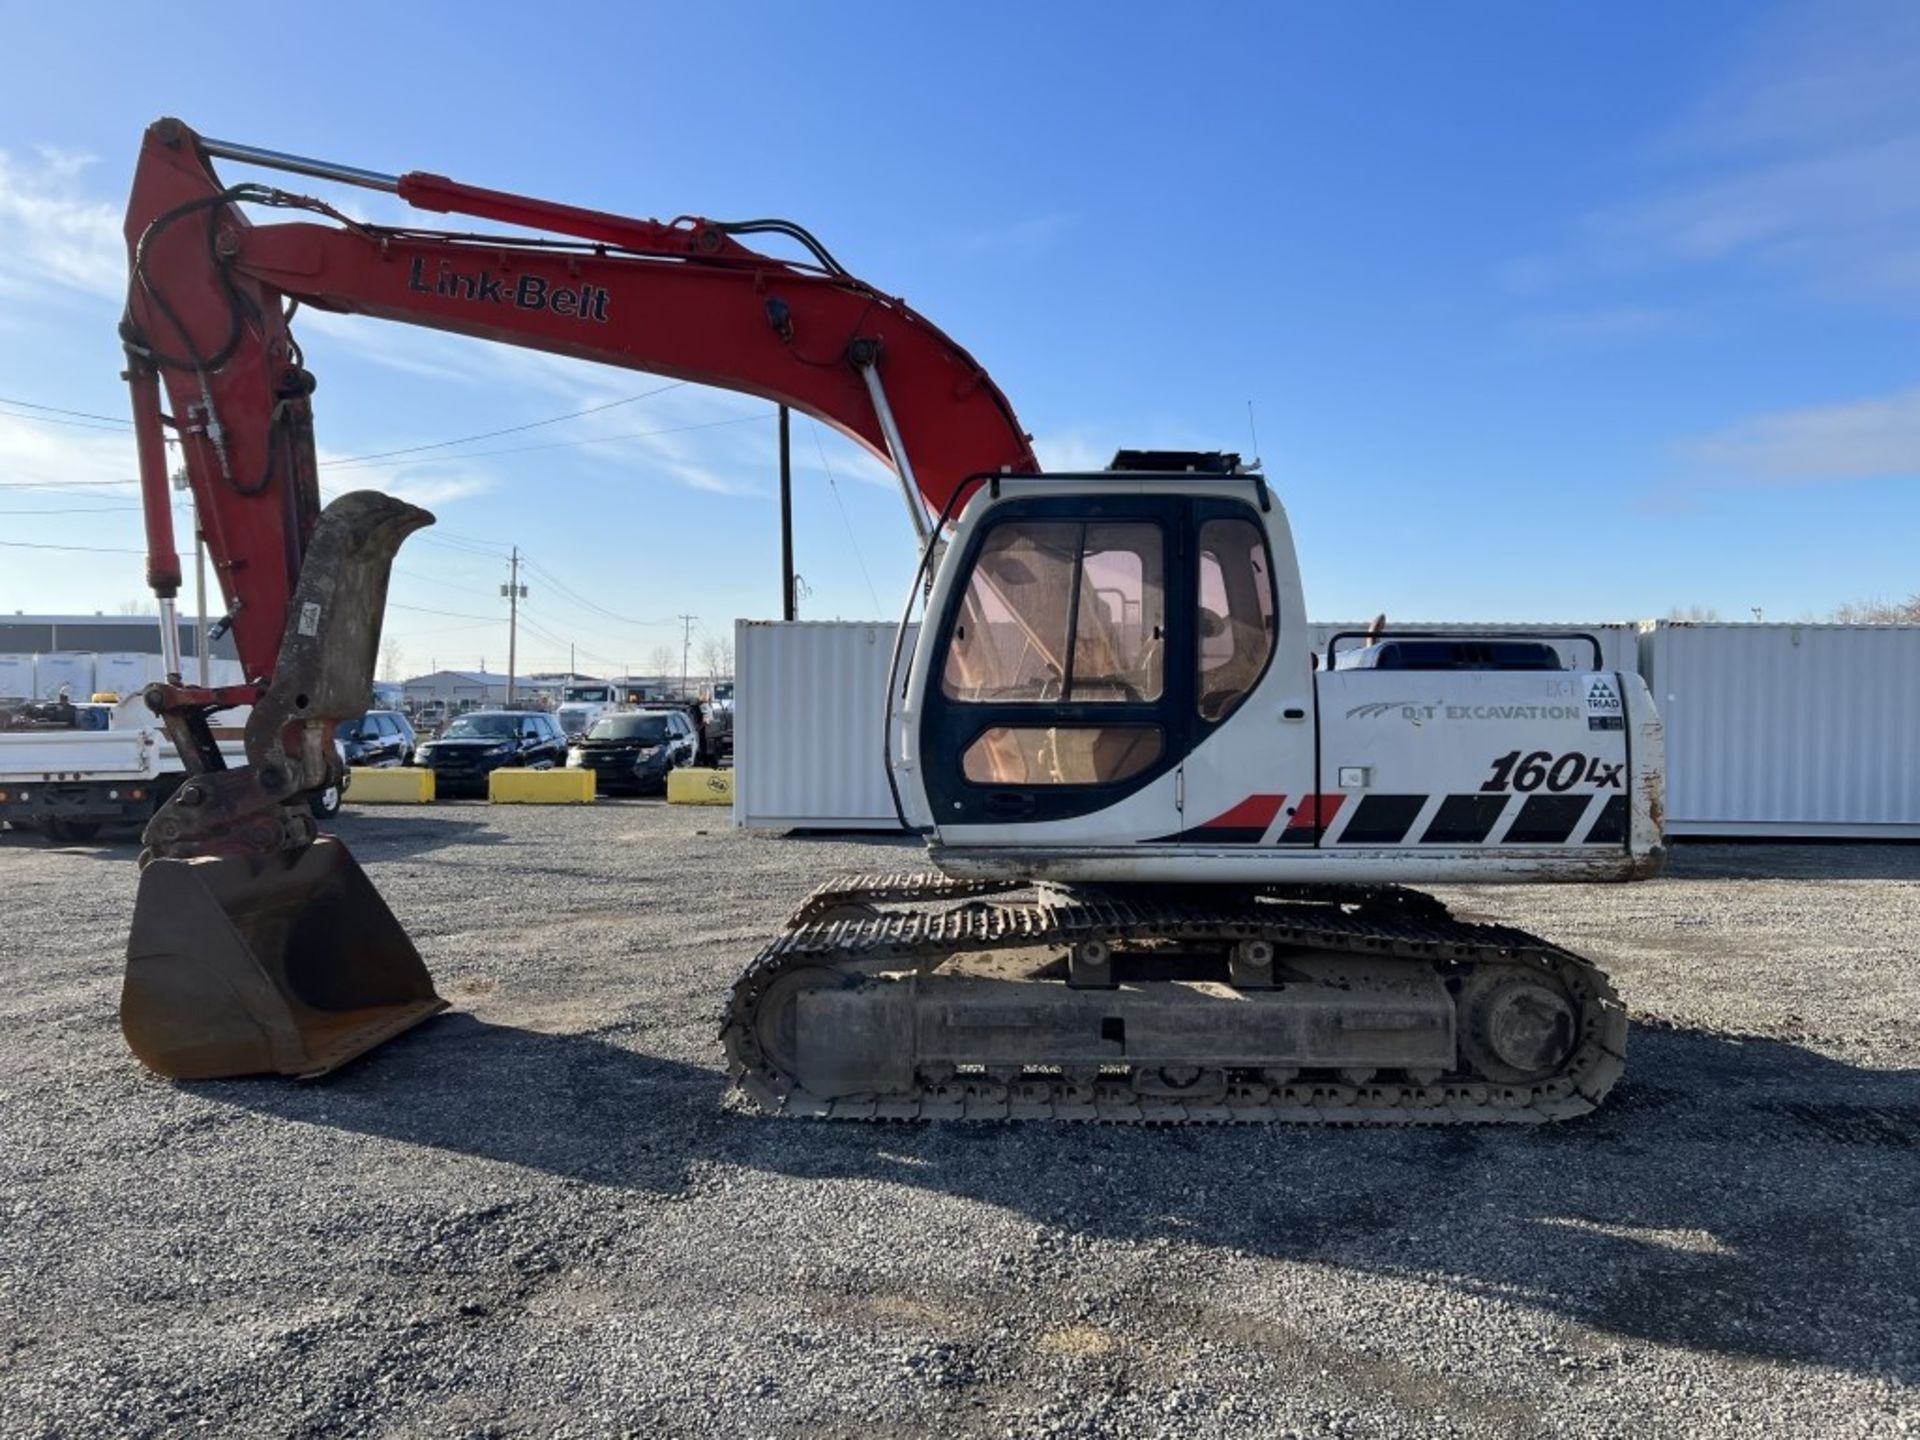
{"x":572,"y":1105}
{"x":403,"y":833}
{"x":1738,"y":1195}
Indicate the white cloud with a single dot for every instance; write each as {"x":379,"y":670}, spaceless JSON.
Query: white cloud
{"x":39,"y":452}
{"x":415,"y":484}
{"x":1879,"y":436}
{"x":1609,"y":322}
{"x":1071,"y":450}
{"x":52,"y":231}
{"x":1848,"y":218}
{"x":1799,"y":160}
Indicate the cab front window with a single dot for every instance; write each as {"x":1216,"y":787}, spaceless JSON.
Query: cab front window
{"x":1062,"y":610}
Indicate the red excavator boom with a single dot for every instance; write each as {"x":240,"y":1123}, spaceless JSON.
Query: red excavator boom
{"x":212,"y":294}
{"x":257,"y":944}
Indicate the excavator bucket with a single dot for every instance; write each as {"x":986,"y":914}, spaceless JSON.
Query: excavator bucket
{"x":257,"y":946}
{"x":287,"y":963}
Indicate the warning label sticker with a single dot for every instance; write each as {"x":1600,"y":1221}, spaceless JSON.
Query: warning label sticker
{"x":1605,"y":710}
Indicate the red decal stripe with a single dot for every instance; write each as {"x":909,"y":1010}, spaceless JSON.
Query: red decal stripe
{"x":1315,"y":812}
{"x":1256,"y":812}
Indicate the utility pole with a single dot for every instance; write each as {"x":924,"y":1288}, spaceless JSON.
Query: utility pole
{"x":786,"y":515}
{"x":686,"y":644}
{"x":515,"y":593}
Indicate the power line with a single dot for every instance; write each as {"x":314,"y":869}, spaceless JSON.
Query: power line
{"x":58,"y":484}
{"x":834,"y":485}
{"x":359,"y":462}
{"x":56,"y":410}
{"x":552,"y":639}
{"x":561,"y":444}
{"x":452,"y":629}
{"x":415,"y":575}
{"x":52,"y":420}
{"x":72,"y":510}
{"x":568,"y":590}
{"x":450,"y":614}
{"x":462,"y":547}
{"x":82,"y":549}
{"x":510,"y":430}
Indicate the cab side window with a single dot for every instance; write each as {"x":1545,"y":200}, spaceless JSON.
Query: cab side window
{"x":1236,"y":615}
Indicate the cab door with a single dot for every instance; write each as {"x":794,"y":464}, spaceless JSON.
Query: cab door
{"x":1248,"y":779}
{"x":1058,"y":690}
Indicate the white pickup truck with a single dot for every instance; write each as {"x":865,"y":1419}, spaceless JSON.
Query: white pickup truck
{"x":113,"y":766}
{"x":581,"y":705}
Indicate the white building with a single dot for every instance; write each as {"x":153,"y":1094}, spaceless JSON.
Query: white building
{"x":456,"y":690}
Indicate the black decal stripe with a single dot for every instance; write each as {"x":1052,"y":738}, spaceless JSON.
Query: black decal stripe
{"x":1464,"y":820}
{"x":1382,"y":820}
{"x":1213,"y":835}
{"x":1546,"y":820}
{"x":1611,"y":827}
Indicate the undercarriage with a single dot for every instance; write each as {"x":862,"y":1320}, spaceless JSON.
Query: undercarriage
{"x":923,"y":997}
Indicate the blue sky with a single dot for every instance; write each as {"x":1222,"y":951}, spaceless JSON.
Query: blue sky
{"x":1556,"y":312}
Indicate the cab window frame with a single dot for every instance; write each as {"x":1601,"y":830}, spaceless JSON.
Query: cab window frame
{"x":1206,"y":511}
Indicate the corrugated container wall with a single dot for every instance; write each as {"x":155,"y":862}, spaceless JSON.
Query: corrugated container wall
{"x":809,"y":702}
{"x":125,"y":672}
{"x":1788,"y":730}
{"x":16,"y":677}
{"x":53,"y":673}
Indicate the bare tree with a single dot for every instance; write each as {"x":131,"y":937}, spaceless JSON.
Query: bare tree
{"x":139,"y":607}
{"x":716,"y":656}
{"x":1880,"y":612}
{"x":1694,"y":614}
{"x":391,"y":657}
{"x":662,"y":661}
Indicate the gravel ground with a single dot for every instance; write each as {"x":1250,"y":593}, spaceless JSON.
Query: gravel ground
{"x":544,"y":1213}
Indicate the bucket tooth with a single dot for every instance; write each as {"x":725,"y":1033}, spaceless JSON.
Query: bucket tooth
{"x":287,"y":963}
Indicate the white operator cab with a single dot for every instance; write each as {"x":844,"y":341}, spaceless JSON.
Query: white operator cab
{"x":1115,"y":684}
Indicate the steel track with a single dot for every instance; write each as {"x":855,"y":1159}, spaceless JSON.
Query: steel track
{"x":1377,"y":922}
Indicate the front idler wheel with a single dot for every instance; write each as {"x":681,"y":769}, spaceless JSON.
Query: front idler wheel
{"x":1517,"y":1025}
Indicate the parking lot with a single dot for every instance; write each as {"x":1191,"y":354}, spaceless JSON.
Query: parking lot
{"x":545,"y":1213}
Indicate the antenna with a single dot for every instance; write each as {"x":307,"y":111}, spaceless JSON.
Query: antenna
{"x":1254,"y":436}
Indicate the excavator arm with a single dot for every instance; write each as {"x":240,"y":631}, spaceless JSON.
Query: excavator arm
{"x":246,"y":921}
{"x":212,"y":295}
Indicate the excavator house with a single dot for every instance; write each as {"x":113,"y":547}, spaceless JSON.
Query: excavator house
{"x":1171,"y":850}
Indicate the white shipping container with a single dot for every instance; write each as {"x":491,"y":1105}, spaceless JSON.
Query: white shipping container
{"x":808,"y":747}
{"x":16,"y":677}
{"x":1619,"y":640}
{"x":54,"y":672}
{"x":1788,"y":730}
{"x":125,"y":672}
{"x":809,"y":704}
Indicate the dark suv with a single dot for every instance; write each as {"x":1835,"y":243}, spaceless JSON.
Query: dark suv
{"x":379,"y":737}
{"x":634,"y":749}
{"x":477,"y":744}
